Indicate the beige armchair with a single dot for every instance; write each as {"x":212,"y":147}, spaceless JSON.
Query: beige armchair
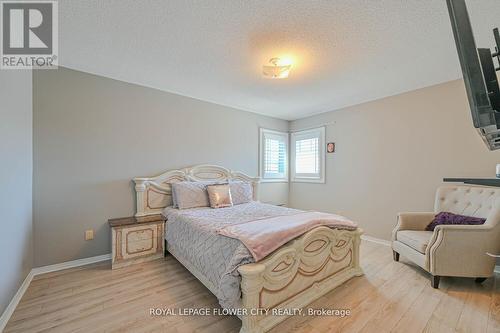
{"x":453,"y":250}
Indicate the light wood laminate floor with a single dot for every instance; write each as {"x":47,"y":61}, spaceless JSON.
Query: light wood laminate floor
{"x":391,"y":297}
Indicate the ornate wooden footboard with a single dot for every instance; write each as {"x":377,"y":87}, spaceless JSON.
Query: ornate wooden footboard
{"x":297,"y":274}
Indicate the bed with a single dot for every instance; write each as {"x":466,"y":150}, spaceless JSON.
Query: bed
{"x":291,"y":277}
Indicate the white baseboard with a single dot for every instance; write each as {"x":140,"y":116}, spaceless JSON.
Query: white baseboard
{"x":9,"y":310}
{"x":497,"y":269}
{"x":70,"y":264}
{"x":376,"y":240}
{"x":42,"y":270}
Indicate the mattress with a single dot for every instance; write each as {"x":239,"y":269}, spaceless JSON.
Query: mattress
{"x":192,"y":235}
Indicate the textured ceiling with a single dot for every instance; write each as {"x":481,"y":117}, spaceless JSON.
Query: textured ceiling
{"x":346,"y":51}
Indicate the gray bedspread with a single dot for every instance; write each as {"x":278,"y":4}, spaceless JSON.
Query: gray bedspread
{"x":192,"y":234}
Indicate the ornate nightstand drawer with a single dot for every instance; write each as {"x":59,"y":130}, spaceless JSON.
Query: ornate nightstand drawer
{"x":134,"y":242}
{"x":139,"y":248}
{"x":140,"y":233}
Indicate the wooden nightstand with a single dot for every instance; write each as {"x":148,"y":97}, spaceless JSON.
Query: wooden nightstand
{"x":136,"y":239}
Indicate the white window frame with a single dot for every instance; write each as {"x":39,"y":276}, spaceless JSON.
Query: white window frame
{"x":282,"y":135}
{"x":302,"y":135}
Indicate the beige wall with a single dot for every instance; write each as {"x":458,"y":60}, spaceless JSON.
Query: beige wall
{"x":392,"y":155}
{"x":92,"y":135}
{"x":16,"y":167}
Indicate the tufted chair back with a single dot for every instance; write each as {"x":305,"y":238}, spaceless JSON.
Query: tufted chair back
{"x":478,"y":201}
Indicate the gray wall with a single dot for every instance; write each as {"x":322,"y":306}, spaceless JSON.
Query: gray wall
{"x":16,"y":168}
{"x":392,"y":155}
{"x":92,"y":135}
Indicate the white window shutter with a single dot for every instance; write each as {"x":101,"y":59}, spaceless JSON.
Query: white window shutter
{"x":273,"y":155}
{"x":308,"y":155}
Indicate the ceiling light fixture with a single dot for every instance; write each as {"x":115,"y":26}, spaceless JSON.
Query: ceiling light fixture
{"x":279,"y":68}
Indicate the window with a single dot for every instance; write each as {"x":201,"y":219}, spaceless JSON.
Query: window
{"x":273,"y":155}
{"x":308,"y":156}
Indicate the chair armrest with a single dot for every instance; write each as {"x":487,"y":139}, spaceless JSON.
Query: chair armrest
{"x":460,"y":250}
{"x":450,"y":228}
{"x":412,"y":221}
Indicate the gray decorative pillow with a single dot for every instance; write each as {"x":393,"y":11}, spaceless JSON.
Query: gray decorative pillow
{"x":191,"y":194}
{"x":241,"y":192}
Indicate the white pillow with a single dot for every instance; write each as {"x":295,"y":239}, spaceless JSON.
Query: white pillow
{"x":174,"y":199}
{"x":241,"y":192}
{"x":190,"y":194}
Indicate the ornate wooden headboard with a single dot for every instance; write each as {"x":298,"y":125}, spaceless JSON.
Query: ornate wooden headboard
{"x":155,"y":193}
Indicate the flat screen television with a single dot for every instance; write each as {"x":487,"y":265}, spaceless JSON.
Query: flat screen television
{"x":479,"y":74}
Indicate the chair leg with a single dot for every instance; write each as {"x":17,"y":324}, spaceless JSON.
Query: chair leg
{"x":480,"y":280}
{"x":435,"y":281}
{"x":395,"y":255}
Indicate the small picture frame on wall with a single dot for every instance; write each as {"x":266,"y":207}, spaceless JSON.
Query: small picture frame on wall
{"x":330,"y":147}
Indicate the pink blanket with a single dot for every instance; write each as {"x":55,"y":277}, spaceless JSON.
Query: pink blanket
{"x":263,"y":236}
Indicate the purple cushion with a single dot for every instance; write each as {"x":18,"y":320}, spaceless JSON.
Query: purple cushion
{"x":450,"y":218}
